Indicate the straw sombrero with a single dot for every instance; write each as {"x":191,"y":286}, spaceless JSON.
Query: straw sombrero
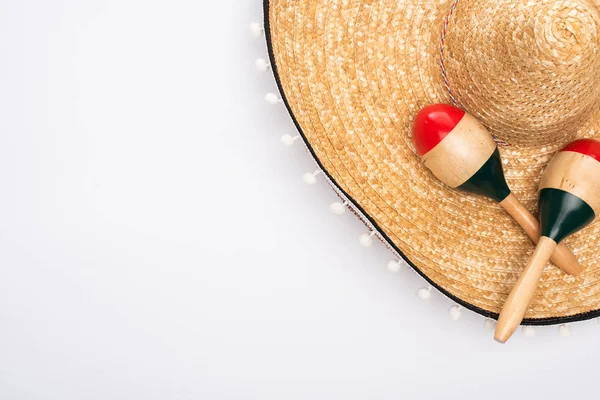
{"x":354,"y":73}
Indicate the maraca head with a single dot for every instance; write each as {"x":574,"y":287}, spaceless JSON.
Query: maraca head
{"x":459,"y":151}
{"x":570,"y":189}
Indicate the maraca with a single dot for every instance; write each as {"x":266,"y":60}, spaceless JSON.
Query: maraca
{"x":569,"y":201}
{"x":462,"y":154}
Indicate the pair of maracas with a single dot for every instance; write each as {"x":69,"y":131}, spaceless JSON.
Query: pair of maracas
{"x":461,"y":153}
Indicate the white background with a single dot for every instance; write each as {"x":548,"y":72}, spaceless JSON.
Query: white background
{"x":157,"y":241}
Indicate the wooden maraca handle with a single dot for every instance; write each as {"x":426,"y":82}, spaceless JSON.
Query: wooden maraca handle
{"x":522,"y":293}
{"x":562,"y":256}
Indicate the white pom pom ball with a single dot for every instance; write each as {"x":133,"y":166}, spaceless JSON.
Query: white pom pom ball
{"x":338,"y":208}
{"x":424,"y":293}
{"x":394,"y":266}
{"x":289,"y":140}
{"x":489,"y":324}
{"x":256,"y":29}
{"x":455,"y":312}
{"x":366,"y":239}
{"x":262,"y":65}
{"x":309,"y":179}
{"x":528,"y":331}
{"x":564,"y":330}
{"x":272,"y":98}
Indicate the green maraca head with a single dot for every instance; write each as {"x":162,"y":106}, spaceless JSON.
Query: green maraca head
{"x":570,"y":190}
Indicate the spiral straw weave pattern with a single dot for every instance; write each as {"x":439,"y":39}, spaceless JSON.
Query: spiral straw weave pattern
{"x":442,"y":55}
{"x":355,"y":73}
{"x":443,"y":65}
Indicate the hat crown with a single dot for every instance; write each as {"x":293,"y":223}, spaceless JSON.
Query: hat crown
{"x":528,"y":70}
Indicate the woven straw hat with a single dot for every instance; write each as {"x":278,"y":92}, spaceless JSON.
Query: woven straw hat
{"x":354,"y":73}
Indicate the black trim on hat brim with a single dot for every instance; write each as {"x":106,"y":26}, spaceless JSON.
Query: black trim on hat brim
{"x":529,"y":321}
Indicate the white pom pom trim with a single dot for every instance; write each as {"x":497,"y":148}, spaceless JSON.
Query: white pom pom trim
{"x":528,"y":331}
{"x":272,"y":99}
{"x":338,"y":208}
{"x":424,"y":293}
{"x":310,"y":178}
{"x":256,"y":29}
{"x":489,"y":324}
{"x":564,"y":330}
{"x":289,"y":140}
{"x":262,"y":65}
{"x":455,"y":312}
{"x":366,"y":239}
{"x":394,"y":266}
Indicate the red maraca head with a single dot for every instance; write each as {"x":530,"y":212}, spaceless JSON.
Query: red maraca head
{"x":432,"y":124}
{"x":459,"y":151}
{"x":587,"y":147}
{"x":570,"y":189}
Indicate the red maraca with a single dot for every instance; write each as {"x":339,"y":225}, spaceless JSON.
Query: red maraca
{"x":569,"y":201}
{"x":461,"y":153}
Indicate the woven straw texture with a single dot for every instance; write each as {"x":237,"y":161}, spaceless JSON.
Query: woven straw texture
{"x":354,"y":73}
